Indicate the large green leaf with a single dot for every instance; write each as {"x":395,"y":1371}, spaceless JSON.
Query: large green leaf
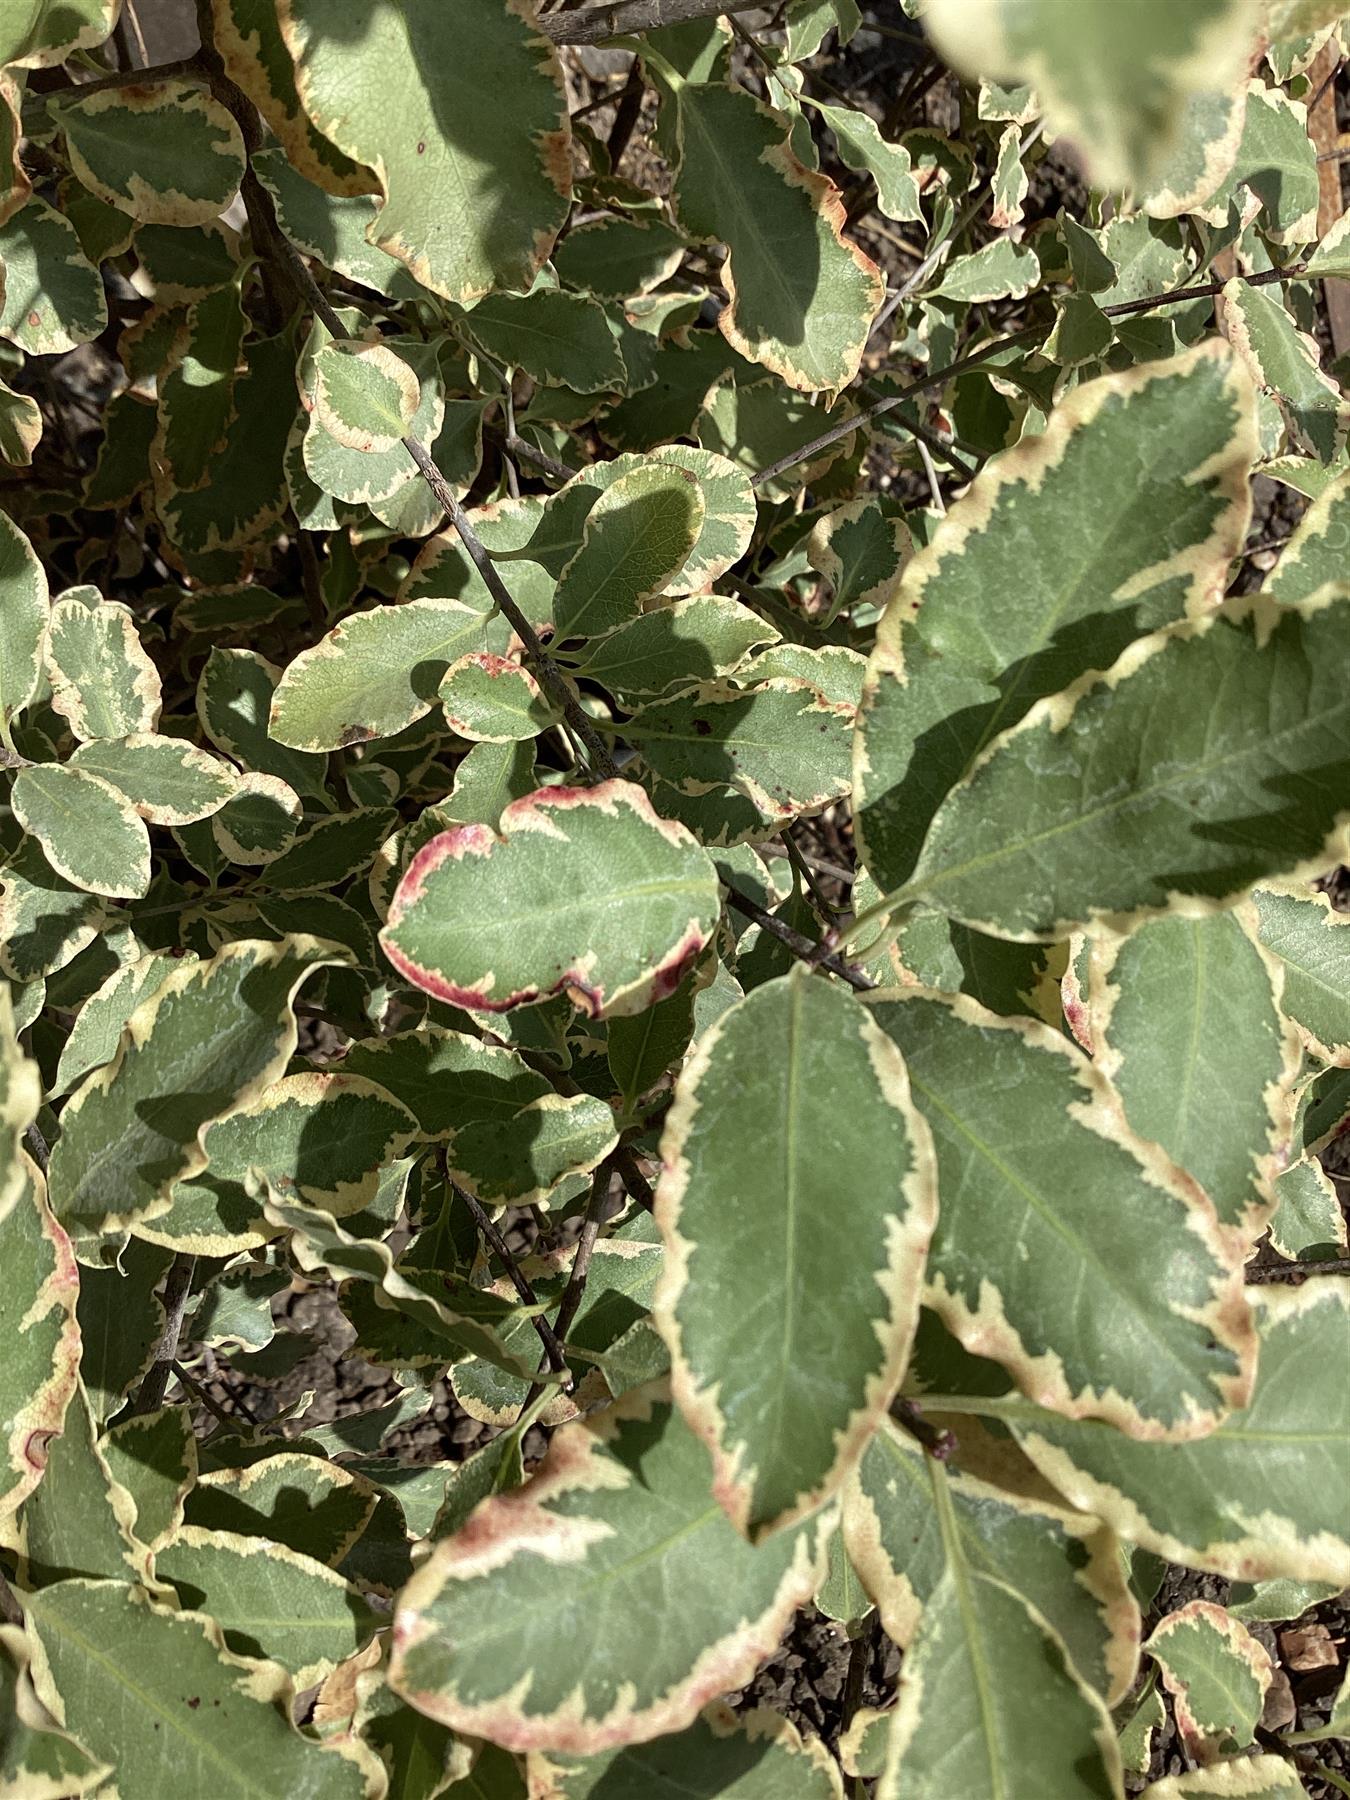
{"x":41,"y":1363}
{"x":167,"y":152}
{"x":1065,"y":1564}
{"x":1159,"y":1340}
{"x":1311,"y":942}
{"x":476,"y":186}
{"x":722,"y":1756}
{"x":614,"y":1523}
{"x":117,"y":1665}
{"x":584,"y":891}
{"x":88,"y":831}
{"x":1185,"y":1021}
{"x":1261,"y":1496}
{"x":802,"y":297}
{"x":23,"y":622}
{"x":1209,"y":757}
{"x":797,"y":1199}
{"x":1114,"y":79}
{"x":991,"y":1703}
{"x":1047,"y":567}
{"x":163,"y":779}
{"x":20,"y":1098}
{"x":103,"y":682}
{"x":210,"y":1038}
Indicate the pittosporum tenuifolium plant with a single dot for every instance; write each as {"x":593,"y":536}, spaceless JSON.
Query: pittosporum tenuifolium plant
{"x":654,"y":774}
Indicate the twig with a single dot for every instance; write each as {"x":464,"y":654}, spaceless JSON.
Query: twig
{"x":547,"y":1337}
{"x":177,"y":1288}
{"x":628,"y":113}
{"x":522,"y":447}
{"x":799,"y":944}
{"x":199,"y":1393}
{"x":860,"y":1654}
{"x":1334,"y":1265}
{"x":10,"y":1609}
{"x":38,"y":1145}
{"x":986,"y":352}
{"x":581,"y":1262}
{"x":636,"y":1184}
{"x":624,"y":18}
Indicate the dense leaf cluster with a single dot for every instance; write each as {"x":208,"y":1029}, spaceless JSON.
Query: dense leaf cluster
{"x":721,"y":847}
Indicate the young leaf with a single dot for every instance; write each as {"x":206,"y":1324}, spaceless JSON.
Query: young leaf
{"x":451,"y":150}
{"x":757,"y":1755}
{"x":209,"y":1039}
{"x":861,"y":549}
{"x":617,"y":1497}
{"x":40,"y":1367}
{"x":1227,"y":1504}
{"x":1246,"y":781}
{"x":802,"y":296}
{"x":464,"y":922}
{"x":989,"y":1689}
{"x":1116,"y":83}
{"x":167,"y":152}
{"x":951,"y":667}
{"x":784,"y":1361}
{"x":87,"y":830}
{"x":103,"y":683}
{"x":1064,"y":1564}
{"x":862,"y":148}
{"x":490,"y":700}
{"x":636,"y":539}
{"x":1217,"y":1674}
{"x":1186,"y":1022}
{"x":365,"y":395}
{"x":23,"y":622}
{"x":995,"y":1091}
{"x":108,"y":1656}
{"x":559,"y":340}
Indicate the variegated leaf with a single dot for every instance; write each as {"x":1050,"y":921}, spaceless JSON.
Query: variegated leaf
{"x":24,"y":612}
{"x":1218,"y":1675}
{"x":1032,"y":1221}
{"x":39,"y":1369}
{"x":1185,"y":1018}
{"x":88,"y":831}
{"x":575,"y":857}
{"x":206,"y":1041}
{"x":951,"y":667}
{"x":1064,"y":1564}
{"x":784,"y":1357}
{"x":448,"y":150}
{"x":167,"y":152}
{"x":103,"y":682}
{"x":619,"y":1498}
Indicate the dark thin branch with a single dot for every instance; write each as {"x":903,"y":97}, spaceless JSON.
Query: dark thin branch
{"x":553,"y":1350}
{"x":624,"y":18}
{"x":799,"y":944}
{"x":636,"y":1184}
{"x":1282,"y":1271}
{"x":199,"y":1393}
{"x":581,"y":1262}
{"x":627,"y":115}
{"x":523,"y":448}
{"x":995,"y":347}
{"x":37,"y":1145}
{"x":177,"y":1288}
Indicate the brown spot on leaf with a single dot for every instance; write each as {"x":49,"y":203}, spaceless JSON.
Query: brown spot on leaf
{"x":421,"y":147}
{"x":35,"y":318}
